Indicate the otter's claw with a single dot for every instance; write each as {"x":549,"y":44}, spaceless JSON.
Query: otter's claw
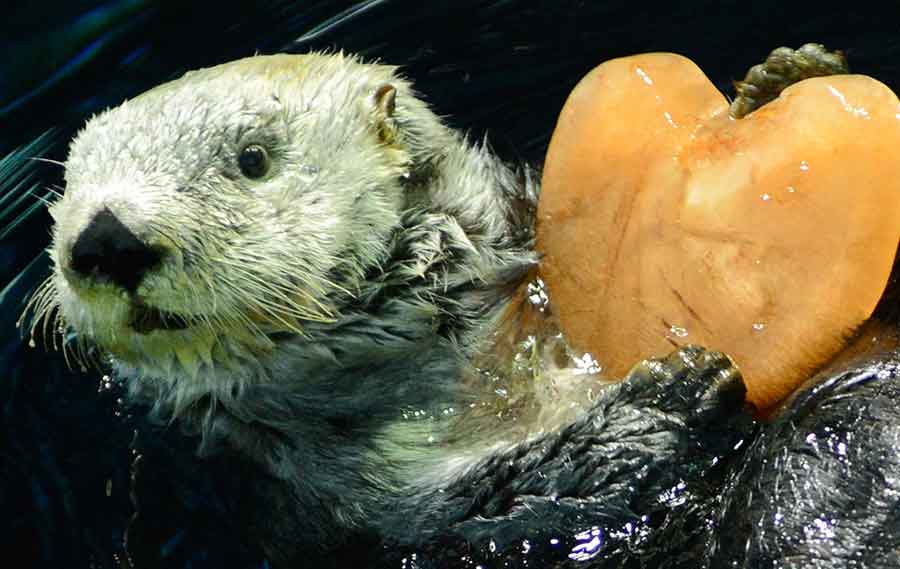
{"x":783,"y":68}
{"x":691,"y":380}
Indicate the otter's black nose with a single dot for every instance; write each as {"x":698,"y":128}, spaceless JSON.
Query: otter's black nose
{"x":107,"y":250}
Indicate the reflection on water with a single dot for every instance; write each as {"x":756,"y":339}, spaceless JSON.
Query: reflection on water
{"x":589,"y":544}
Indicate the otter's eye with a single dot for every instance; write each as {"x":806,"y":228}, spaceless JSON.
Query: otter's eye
{"x":254,"y":161}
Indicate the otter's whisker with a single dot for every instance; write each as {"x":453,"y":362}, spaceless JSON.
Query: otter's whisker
{"x":40,"y":306}
{"x":43,"y":199}
{"x":47,"y":161}
{"x":275,"y":290}
{"x":65,"y":352}
{"x":57,"y":328}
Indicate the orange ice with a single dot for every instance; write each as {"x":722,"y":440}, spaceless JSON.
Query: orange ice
{"x":663,"y":221}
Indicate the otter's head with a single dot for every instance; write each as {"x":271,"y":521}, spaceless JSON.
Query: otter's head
{"x":231,"y":205}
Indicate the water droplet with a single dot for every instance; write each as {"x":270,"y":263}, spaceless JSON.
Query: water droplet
{"x":759,"y":326}
{"x":643,"y":75}
{"x":536,"y":293}
{"x":590,"y":543}
{"x":765,"y":197}
{"x":669,"y":119}
{"x":492,"y":546}
{"x":31,"y":343}
{"x":678,"y":331}
{"x":804,"y":166}
{"x":586,"y":364}
{"x":109,"y":487}
{"x":791,"y":189}
{"x":308,"y":173}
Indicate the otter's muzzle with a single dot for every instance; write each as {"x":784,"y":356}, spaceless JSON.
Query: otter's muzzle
{"x":107,"y":251}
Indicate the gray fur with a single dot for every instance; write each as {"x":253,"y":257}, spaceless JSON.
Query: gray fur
{"x":401,"y":241}
{"x":339,"y":306}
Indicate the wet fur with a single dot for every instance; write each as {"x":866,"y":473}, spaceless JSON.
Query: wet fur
{"x":401,"y":242}
{"x":339,"y":307}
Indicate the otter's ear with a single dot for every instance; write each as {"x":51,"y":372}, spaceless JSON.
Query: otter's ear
{"x":384,"y":102}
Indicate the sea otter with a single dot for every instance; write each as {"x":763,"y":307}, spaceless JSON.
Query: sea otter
{"x":296,"y":261}
{"x":293,"y":257}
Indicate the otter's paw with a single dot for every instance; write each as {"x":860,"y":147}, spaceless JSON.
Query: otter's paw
{"x":783,"y":68}
{"x":699,"y":383}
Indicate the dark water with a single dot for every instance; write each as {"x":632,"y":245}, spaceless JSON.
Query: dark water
{"x":497,"y":67}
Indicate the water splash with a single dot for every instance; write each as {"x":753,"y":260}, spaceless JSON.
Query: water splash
{"x":678,"y":331}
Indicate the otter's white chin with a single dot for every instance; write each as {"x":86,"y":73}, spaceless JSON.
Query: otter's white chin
{"x":98,"y":313}
{"x":126,"y":328}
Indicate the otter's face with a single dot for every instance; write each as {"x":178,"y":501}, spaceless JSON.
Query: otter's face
{"x":228,"y":205}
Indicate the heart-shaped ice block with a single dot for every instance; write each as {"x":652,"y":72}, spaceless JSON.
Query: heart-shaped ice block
{"x":664,"y":221}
